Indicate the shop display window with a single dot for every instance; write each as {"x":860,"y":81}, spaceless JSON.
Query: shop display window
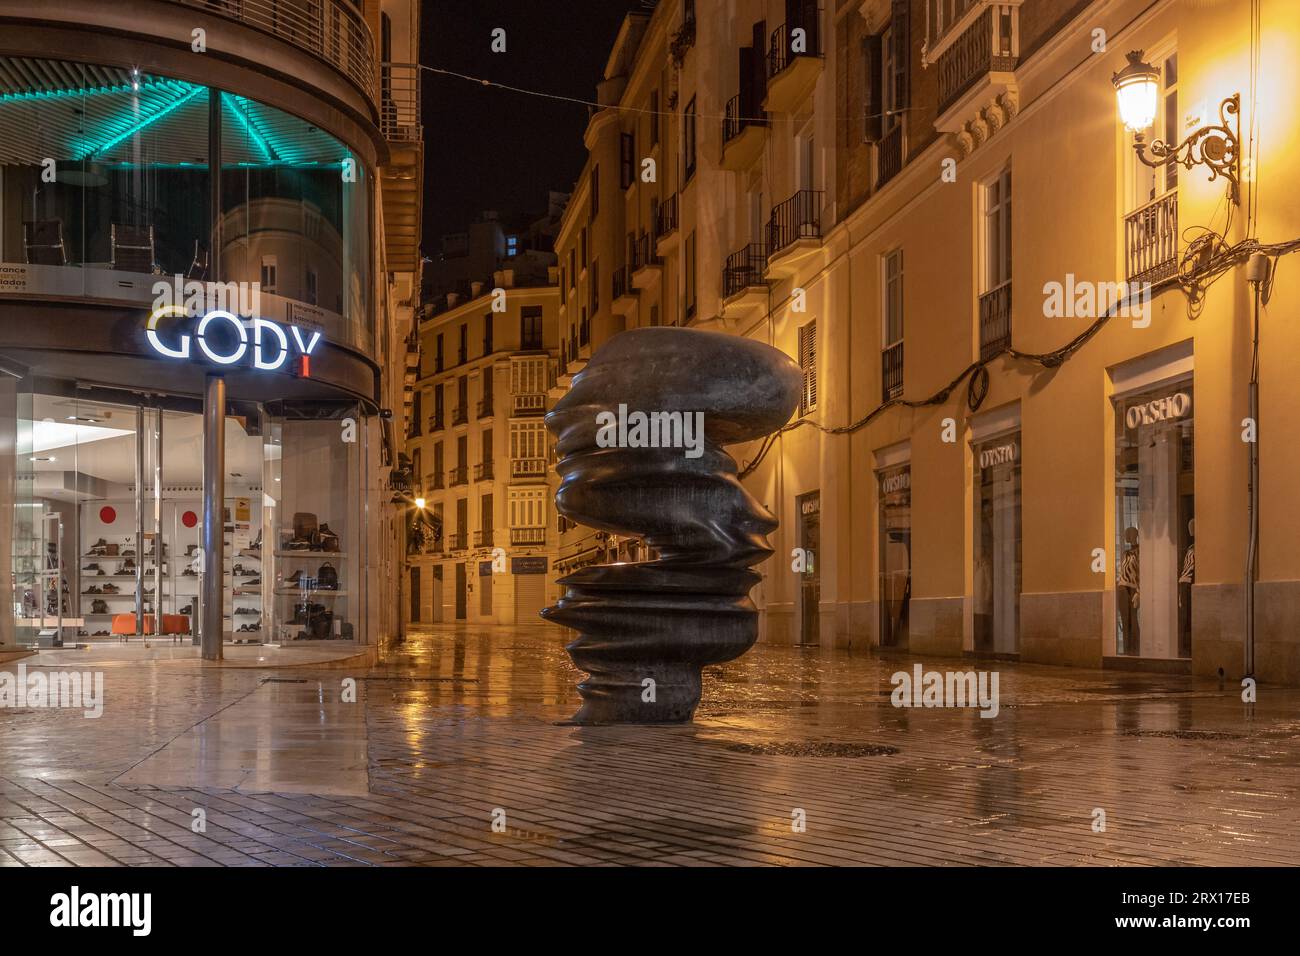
{"x":996,"y":539}
{"x":895,"y":519}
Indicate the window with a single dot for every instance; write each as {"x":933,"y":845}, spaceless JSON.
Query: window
{"x":594,"y":286}
{"x":573,"y":270}
{"x":416,"y":423}
{"x":997,"y":231}
{"x":891,"y":355}
{"x":416,"y":477}
{"x":462,"y":398}
{"x":654,"y":118}
{"x":528,"y":507}
{"x":462,"y":353}
{"x":807,"y":162}
{"x":530,"y":327}
{"x":487,"y":387}
{"x":1149,"y":183}
{"x":438,"y":408}
{"x":485,"y":513}
{"x":690,"y":275}
{"x":488,"y":450}
{"x":528,"y":440}
{"x":564,"y":286}
{"x":595,"y":191}
{"x":583,"y":245}
{"x":808,"y":367}
{"x":626,"y":160}
{"x":438,"y":464}
{"x":438,"y":355}
{"x":512,"y":246}
{"x":269,"y":270}
{"x":688,"y":138}
{"x":487,"y":334}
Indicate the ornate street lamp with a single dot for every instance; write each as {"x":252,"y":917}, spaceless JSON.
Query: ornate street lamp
{"x":1217,"y":147}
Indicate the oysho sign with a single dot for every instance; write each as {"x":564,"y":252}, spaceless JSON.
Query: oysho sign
{"x":224,"y":338}
{"x":999,"y":455}
{"x":899,"y":481}
{"x":1158,"y":410}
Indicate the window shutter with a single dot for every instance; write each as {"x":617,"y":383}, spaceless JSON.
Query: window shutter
{"x":873,"y":127}
{"x":900,"y":17}
{"x":758,"y":75}
{"x":808,"y":365}
{"x":745,"y":85}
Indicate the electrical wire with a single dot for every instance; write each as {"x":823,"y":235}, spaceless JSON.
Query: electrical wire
{"x":1204,"y":261}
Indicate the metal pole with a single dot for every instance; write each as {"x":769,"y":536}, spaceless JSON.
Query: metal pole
{"x":214,"y":527}
{"x":158,"y":552}
{"x":139,"y":519}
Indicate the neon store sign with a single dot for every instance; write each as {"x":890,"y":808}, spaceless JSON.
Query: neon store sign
{"x":224,"y":338}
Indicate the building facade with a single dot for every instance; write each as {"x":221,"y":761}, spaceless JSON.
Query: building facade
{"x":482,"y":547}
{"x":209,"y":272}
{"x":937,"y":211}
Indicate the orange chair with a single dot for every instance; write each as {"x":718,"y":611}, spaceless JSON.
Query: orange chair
{"x":173,"y":624}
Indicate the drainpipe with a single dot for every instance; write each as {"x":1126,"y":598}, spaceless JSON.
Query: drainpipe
{"x":1256,"y":274}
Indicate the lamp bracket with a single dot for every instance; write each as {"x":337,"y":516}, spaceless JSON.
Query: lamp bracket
{"x":1217,"y":147}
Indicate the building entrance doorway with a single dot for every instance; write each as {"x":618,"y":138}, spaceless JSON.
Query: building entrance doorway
{"x":810,"y":581}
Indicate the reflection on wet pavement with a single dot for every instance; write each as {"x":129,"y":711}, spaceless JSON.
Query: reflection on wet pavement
{"x":456,"y":727}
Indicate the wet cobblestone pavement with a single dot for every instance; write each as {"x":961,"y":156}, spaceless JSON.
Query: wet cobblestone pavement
{"x":456,"y":726}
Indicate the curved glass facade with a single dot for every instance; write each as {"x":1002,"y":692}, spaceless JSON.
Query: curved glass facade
{"x":106,"y":189}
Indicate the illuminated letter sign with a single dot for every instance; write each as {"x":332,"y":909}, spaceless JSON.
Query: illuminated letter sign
{"x":269,"y":349}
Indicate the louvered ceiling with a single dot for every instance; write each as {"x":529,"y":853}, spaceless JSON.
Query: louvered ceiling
{"x":78,"y":112}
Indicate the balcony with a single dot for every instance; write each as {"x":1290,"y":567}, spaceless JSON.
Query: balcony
{"x":666,"y":225}
{"x":743,"y":286}
{"x":330,"y":30}
{"x":436,"y":422}
{"x":524,"y":537}
{"x":644,"y":263}
{"x":456,"y":542}
{"x":995,"y":321}
{"x":625,"y":295}
{"x":794,"y":59}
{"x":403,"y":174}
{"x":484,"y":538}
{"x":889,"y":155}
{"x":458,"y":476}
{"x":485,"y":408}
{"x":1151,"y":240}
{"x":976,"y":59}
{"x":891,"y":372}
{"x":528,"y":404}
{"x":794,"y":232}
{"x":483,"y":471}
{"x":742,"y":137}
{"x":461,"y":415}
{"x":528,"y":468}
{"x":435,"y":481}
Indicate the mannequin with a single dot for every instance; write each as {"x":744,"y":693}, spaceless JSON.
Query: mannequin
{"x":1127,"y":593}
{"x":1185,"y":580}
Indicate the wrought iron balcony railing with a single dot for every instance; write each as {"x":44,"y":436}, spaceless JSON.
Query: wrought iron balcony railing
{"x":331,"y":30}
{"x":483,"y":471}
{"x":642,"y":253}
{"x":990,"y":44}
{"x":485,"y":408}
{"x":744,"y":269}
{"x":799,"y":217}
{"x":461,"y":415}
{"x":456,"y":542}
{"x":995,"y":321}
{"x":780,"y":52}
{"x":621,"y":283}
{"x":889,"y":156}
{"x":666,"y":218}
{"x":891,"y":372}
{"x":1151,"y":240}
{"x":458,"y":476}
{"x":483,"y":539}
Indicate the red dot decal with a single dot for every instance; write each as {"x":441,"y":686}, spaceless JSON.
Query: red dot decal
{"x":107,"y":515}
{"x":189,"y":519}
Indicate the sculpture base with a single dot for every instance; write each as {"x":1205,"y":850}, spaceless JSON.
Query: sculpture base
{"x":645,"y":633}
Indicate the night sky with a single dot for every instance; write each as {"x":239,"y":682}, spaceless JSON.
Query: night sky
{"x":488,"y":148}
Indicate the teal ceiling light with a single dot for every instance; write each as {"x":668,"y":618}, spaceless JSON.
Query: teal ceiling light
{"x":145,"y":122}
{"x":237,"y":106}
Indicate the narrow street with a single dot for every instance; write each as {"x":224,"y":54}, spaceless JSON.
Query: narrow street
{"x":459,"y":728}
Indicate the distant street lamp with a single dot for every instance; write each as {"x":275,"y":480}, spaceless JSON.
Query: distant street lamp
{"x":1217,"y":147}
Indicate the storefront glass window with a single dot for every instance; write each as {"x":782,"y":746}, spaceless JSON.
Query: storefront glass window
{"x":1154,"y":522}
{"x":105,"y":190}
{"x":996,"y":538}
{"x":895,"y":554}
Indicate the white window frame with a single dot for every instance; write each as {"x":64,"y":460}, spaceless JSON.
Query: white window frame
{"x":887,"y":284}
{"x":995,"y":219}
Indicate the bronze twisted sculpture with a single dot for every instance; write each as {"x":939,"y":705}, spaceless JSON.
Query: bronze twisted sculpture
{"x":640,"y":436}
